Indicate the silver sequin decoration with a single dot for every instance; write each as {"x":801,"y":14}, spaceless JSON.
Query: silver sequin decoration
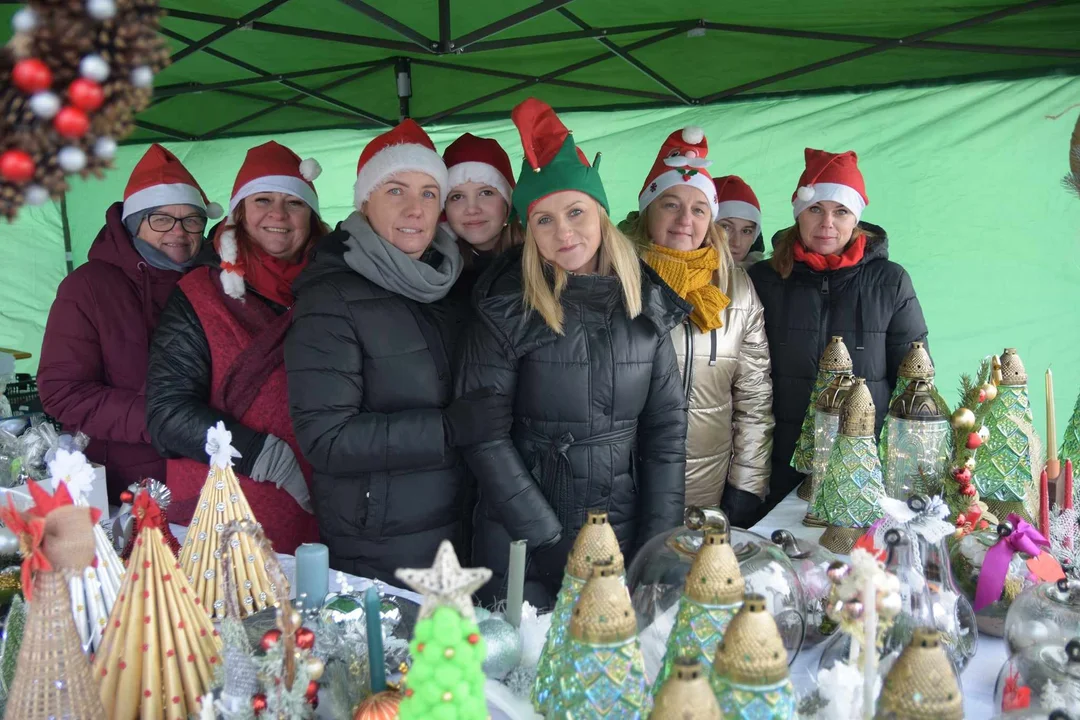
{"x":209,"y":574}
{"x":202,"y":536}
{"x":220,"y":507}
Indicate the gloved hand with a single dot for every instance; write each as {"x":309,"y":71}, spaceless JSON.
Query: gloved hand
{"x":476,"y":417}
{"x":741,"y":507}
{"x":277,"y":464}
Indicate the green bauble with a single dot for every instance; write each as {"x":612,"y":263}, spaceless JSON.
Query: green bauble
{"x":446,"y":679}
{"x":883,"y":444}
{"x":753,"y":702}
{"x":851,"y":491}
{"x":1003,"y":472}
{"x":602,"y":681}
{"x":551,"y":658}
{"x":803,"y":458}
{"x":698,"y":629}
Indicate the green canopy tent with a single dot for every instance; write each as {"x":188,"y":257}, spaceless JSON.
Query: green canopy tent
{"x":946,"y":104}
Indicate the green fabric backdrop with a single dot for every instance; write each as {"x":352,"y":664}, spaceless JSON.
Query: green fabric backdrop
{"x":965,"y":178}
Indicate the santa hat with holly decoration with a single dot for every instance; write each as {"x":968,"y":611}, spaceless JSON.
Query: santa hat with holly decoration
{"x":406,"y":148}
{"x":270,"y":167}
{"x":682,"y":160}
{"x":159,"y":178}
{"x":831,"y":177}
{"x":736,"y":199}
{"x":553,"y":161}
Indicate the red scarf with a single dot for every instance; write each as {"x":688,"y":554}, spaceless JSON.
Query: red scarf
{"x":270,"y":277}
{"x":821,"y":263}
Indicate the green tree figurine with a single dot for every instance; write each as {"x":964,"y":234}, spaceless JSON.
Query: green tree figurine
{"x":1070,"y":444}
{"x":1004,"y":476}
{"x":916,"y":365}
{"x":836,"y":360}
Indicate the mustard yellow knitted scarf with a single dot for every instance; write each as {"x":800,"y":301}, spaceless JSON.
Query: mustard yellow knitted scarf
{"x":690,"y":274}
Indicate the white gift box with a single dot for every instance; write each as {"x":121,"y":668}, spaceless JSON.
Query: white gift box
{"x":97,"y":497}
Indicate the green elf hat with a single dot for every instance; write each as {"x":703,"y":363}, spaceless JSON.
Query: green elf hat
{"x":553,"y":162}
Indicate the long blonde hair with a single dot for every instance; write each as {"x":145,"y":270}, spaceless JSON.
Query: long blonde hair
{"x":714,"y":235}
{"x":783,"y":257}
{"x":616,"y":256}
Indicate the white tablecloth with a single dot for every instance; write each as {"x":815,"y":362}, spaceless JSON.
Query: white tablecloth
{"x":978,"y":677}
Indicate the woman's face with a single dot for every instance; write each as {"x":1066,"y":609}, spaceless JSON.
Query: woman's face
{"x":826,"y":227}
{"x":679,"y":218}
{"x":404,"y":211}
{"x":741,"y":234}
{"x":279,"y":223}
{"x":179,"y":242}
{"x":476,"y":213}
{"x":566,"y":228}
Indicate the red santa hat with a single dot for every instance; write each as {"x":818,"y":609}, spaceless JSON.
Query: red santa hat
{"x":159,"y":178}
{"x":406,"y":148}
{"x":831,"y":176}
{"x":479,"y":160}
{"x":270,"y":167}
{"x":682,"y":159}
{"x":736,"y":200}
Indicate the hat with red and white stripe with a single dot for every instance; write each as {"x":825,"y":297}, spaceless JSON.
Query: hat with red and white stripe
{"x":406,"y":148}
{"x":831,"y":177}
{"x":480,"y":160}
{"x":682,"y":160}
{"x":159,"y":178}
{"x":736,"y":200}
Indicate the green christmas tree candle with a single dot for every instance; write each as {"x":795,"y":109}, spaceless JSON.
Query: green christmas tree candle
{"x":711,"y":597}
{"x":750,"y":674}
{"x":834,"y":361}
{"x":603,"y":674}
{"x":826,"y":428}
{"x":446,"y":679}
{"x":849,"y":499}
{"x":595,"y":541}
{"x":1003,"y":476}
{"x":1070,"y":444}
{"x":916,"y":365}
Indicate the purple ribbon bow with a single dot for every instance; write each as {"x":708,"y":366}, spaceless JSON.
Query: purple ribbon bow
{"x":1023,"y":539}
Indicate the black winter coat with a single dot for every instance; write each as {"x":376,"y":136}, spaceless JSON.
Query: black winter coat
{"x":369,"y":375}
{"x":872,"y":305}
{"x":599,"y":420}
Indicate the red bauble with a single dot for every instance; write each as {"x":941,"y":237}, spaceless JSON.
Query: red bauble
{"x":473,"y":638}
{"x":982,"y":396}
{"x":973,"y":441}
{"x":968,"y":490}
{"x":962,"y":475}
{"x":305,"y":638}
{"x":86,"y":94}
{"x":71,"y":122}
{"x":270,"y":639}
{"x":312,"y":692}
{"x":17,"y":166}
{"x":258,"y":703}
{"x":126,"y":497}
{"x":31,"y":76}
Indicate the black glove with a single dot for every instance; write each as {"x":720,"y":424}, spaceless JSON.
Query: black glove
{"x":741,"y":507}
{"x":476,"y":417}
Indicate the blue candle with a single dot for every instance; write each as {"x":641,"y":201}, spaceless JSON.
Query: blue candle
{"x":376,"y":660}
{"x":313,"y":573}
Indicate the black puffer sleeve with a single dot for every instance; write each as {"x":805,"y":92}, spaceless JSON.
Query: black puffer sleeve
{"x":906,"y":326}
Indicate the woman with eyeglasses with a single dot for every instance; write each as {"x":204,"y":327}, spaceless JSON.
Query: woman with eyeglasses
{"x":92,"y":374}
{"x":218,"y":352}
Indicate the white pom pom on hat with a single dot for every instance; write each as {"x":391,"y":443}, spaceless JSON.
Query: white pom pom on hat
{"x":214,"y":211}
{"x":693,"y":134}
{"x":806,"y":193}
{"x":310,"y":169}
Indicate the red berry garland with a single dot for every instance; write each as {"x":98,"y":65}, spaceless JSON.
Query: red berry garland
{"x":16,"y":166}
{"x":86,"y":94}
{"x":31,"y":76}
{"x":71,"y":122}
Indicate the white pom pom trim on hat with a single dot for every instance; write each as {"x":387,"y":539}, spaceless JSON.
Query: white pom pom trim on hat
{"x":693,"y":134}
{"x":805,"y":193}
{"x":214,"y":211}
{"x":310,"y":169}
{"x":231,"y":282}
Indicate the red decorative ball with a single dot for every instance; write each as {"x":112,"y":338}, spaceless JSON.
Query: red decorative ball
{"x":270,"y":639}
{"x":973,"y":441}
{"x":31,"y":75}
{"x":312,"y":692}
{"x":473,"y":638}
{"x":968,"y":490}
{"x":127,"y":497}
{"x":962,"y":475}
{"x":16,"y":166}
{"x":86,"y":94}
{"x":258,"y":703}
{"x":305,"y":638}
{"x":71,"y":122}
{"x":982,"y":396}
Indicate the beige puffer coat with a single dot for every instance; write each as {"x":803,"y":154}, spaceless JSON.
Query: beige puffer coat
{"x":730,"y":397}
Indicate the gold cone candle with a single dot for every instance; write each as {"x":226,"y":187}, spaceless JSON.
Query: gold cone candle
{"x":921,"y":684}
{"x":826,"y":428}
{"x":918,"y":441}
{"x":595,"y":541}
{"x":836,"y":360}
{"x":686,"y":695}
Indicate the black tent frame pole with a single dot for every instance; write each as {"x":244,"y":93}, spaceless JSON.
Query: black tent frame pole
{"x":264,"y":9}
{"x":68,"y":260}
{"x":445,"y":37}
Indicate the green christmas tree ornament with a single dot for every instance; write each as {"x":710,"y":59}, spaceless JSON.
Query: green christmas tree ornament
{"x":836,"y":360}
{"x":1070,"y":445}
{"x":1003,"y":476}
{"x":595,"y":541}
{"x":750,"y":673}
{"x":446,"y":680}
{"x":826,"y":428}
{"x":916,"y":365}
{"x":849,"y":499}
{"x":712,"y":595}
{"x":604,"y":672}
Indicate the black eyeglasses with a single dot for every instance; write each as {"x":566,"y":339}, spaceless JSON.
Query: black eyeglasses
{"x":160,"y":222}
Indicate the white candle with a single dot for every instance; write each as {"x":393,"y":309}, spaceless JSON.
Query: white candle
{"x":870,"y":657}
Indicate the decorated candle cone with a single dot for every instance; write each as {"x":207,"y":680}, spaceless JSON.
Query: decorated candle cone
{"x":159,"y":651}
{"x":94,"y":590}
{"x":921,"y":684}
{"x":916,"y":365}
{"x":595,"y":541}
{"x":750,"y":673}
{"x":604,"y":672}
{"x":1003,"y":476}
{"x":711,"y":596}
{"x":53,"y":678}
{"x":834,"y":361}
{"x":849,"y":499}
{"x":686,"y":695}
{"x":826,"y":428}
{"x":221,"y":502}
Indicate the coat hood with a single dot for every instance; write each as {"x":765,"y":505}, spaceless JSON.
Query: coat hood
{"x":113,"y":245}
{"x":876,"y":249}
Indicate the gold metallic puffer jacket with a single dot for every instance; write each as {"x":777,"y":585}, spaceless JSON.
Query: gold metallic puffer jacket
{"x":730,"y":397}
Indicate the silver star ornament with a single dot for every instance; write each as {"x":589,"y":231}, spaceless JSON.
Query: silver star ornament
{"x":445,"y":583}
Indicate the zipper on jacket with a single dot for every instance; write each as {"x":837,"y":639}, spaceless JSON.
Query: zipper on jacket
{"x":826,"y":303}
{"x":688,"y":361}
{"x":712,"y":353}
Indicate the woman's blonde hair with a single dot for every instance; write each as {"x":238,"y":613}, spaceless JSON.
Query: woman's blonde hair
{"x":783,"y":257}
{"x":616,"y":256}
{"x":714,"y":235}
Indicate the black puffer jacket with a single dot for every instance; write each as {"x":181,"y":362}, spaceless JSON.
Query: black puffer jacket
{"x":872,"y":305}
{"x":599,"y":420}
{"x":369,"y":374}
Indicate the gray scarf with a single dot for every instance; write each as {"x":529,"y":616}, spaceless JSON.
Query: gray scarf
{"x":158,"y":259}
{"x":389,"y":268}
